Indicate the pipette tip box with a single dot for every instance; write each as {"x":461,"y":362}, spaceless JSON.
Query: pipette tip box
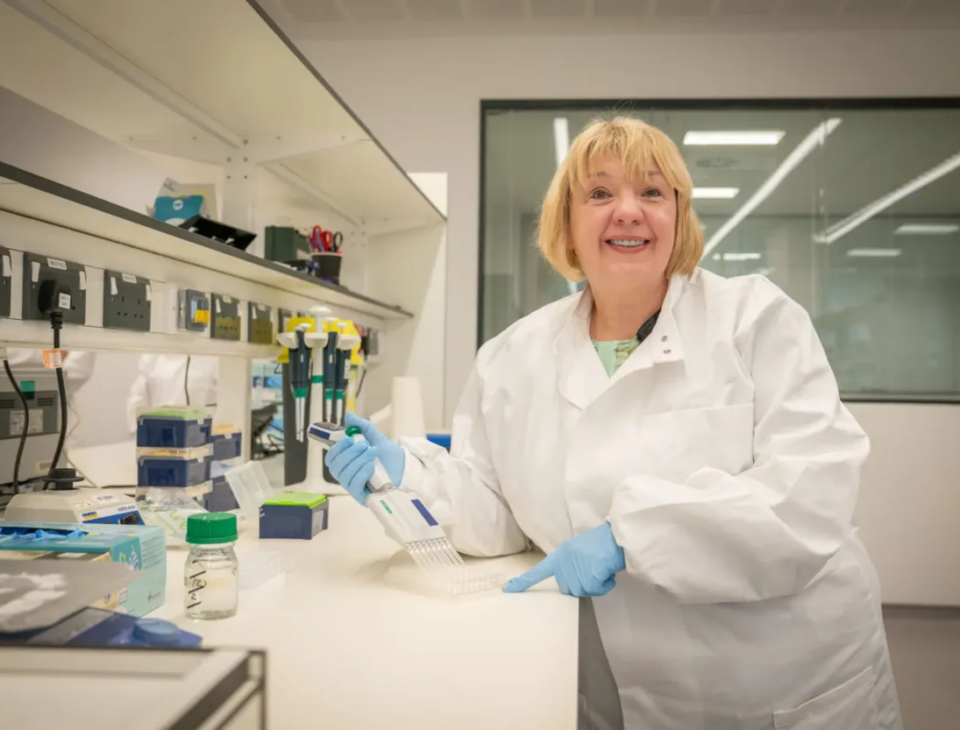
{"x":175,"y":427}
{"x":294,"y":516}
{"x":227,"y":442}
{"x":172,"y":471}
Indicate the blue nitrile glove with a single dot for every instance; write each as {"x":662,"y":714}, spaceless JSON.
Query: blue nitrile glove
{"x":584,"y":565}
{"x":351,"y":461}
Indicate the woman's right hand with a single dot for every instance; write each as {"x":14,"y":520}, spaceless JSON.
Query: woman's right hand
{"x":351,"y":461}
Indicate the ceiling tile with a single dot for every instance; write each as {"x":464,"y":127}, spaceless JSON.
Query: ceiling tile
{"x":434,"y":10}
{"x":669,"y":8}
{"x":496,"y":9}
{"x":620,"y":8}
{"x":313,"y":11}
{"x":373,"y":11}
{"x":746,"y":7}
{"x":810,"y":7}
{"x":874,"y":7}
{"x":558,"y":8}
{"x":935,"y":6}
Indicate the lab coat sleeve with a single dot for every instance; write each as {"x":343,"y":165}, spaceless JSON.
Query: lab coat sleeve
{"x":460,"y":488}
{"x":768,"y":531}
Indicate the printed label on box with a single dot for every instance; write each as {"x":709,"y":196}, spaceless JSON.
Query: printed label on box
{"x":202,"y":316}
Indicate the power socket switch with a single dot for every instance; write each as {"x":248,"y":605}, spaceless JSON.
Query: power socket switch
{"x":194,"y":314}
{"x":6,"y":282}
{"x":260,"y":324}
{"x":126,"y":301}
{"x":226,"y":318}
{"x":68,"y":275}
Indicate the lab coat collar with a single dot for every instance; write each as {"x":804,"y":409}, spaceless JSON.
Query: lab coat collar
{"x":581,"y":375}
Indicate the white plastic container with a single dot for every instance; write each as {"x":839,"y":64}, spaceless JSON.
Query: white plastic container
{"x":211,"y":576}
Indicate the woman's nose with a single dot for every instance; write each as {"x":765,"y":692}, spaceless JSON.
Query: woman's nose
{"x":629,"y":209}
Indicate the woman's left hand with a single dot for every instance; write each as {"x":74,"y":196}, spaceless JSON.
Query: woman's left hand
{"x":585,"y":565}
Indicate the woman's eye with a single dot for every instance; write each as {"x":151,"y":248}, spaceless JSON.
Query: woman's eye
{"x":652,"y":193}
{"x":600,"y":194}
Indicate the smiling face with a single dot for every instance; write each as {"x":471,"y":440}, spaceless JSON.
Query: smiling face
{"x":622,"y":228}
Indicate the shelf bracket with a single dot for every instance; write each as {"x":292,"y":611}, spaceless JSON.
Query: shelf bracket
{"x":200,"y":149}
{"x":276,"y":149}
{"x":239,"y":192}
{"x":288,"y":175}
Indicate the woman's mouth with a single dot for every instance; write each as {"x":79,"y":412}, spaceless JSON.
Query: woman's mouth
{"x":628,"y":243}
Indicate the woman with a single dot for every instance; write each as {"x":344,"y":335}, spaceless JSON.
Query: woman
{"x":675,"y":442}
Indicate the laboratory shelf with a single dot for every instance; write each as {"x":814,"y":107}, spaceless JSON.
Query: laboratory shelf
{"x":214,"y":81}
{"x":31,"y":196}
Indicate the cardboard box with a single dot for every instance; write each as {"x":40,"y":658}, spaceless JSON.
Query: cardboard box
{"x":143,"y":547}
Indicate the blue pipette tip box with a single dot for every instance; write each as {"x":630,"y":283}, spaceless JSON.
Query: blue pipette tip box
{"x":174,"y":427}
{"x":294,"y":516}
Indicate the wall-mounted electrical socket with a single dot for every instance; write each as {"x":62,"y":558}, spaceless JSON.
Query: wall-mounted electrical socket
{"x":226,"y":318}
{"x":283,"y":317}
{"x":38,"y":269}
{"x":126,"y":301}
{"x":260,"y":329}
{"x":194,"y":311}
{"x":6,"y":282}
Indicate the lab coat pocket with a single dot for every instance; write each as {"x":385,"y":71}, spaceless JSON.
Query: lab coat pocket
{"x":849,"y":706}
{"x":686,"y":441}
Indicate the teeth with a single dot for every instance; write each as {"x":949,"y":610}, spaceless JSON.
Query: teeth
{"x":627,"y":244}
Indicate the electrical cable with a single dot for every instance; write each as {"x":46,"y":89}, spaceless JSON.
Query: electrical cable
{"x":23,"y":431}
{"x":362,"y":380}
{"x":56,"y":321}
{"x":186,"y":379}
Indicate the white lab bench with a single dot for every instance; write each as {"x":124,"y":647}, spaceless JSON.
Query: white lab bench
{"x":346,"y":649}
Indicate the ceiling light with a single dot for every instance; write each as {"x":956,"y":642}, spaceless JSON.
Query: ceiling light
{"x":875,"y":253}
{"x":844,"y":227}
{"x":765,"y":138}
{"x":813,"y":140}
{"x":737,"y":256}
{"x":927,"y":229}
{"x":715,"y":193}
{"x":561,"y":138}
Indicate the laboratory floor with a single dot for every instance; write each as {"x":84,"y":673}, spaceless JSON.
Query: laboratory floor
{"x":925,"y":650}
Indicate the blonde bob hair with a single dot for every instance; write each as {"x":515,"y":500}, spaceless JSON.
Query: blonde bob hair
{"x":642,"y":149}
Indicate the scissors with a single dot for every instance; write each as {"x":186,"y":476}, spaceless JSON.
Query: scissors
{"x":321,"y":240}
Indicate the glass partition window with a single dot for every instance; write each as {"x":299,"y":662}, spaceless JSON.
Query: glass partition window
{"x":854,"y":211}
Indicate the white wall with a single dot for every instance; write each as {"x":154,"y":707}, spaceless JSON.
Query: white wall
{"x":421,"y":97}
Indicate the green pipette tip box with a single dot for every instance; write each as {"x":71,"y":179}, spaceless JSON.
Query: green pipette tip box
{"x":294,"y":516}
{"x":297,"y":499}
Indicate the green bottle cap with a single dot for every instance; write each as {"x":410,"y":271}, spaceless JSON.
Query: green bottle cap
{"x":353,"y":431}
{"x":211,"y":528}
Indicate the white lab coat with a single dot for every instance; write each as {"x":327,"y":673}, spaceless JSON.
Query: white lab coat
{"x":728,"y":468}
{"x":161,"y":383}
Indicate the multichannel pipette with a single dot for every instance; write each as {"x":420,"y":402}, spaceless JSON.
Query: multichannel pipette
{"x":299,"y":353}
{"x":407,"y":521}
